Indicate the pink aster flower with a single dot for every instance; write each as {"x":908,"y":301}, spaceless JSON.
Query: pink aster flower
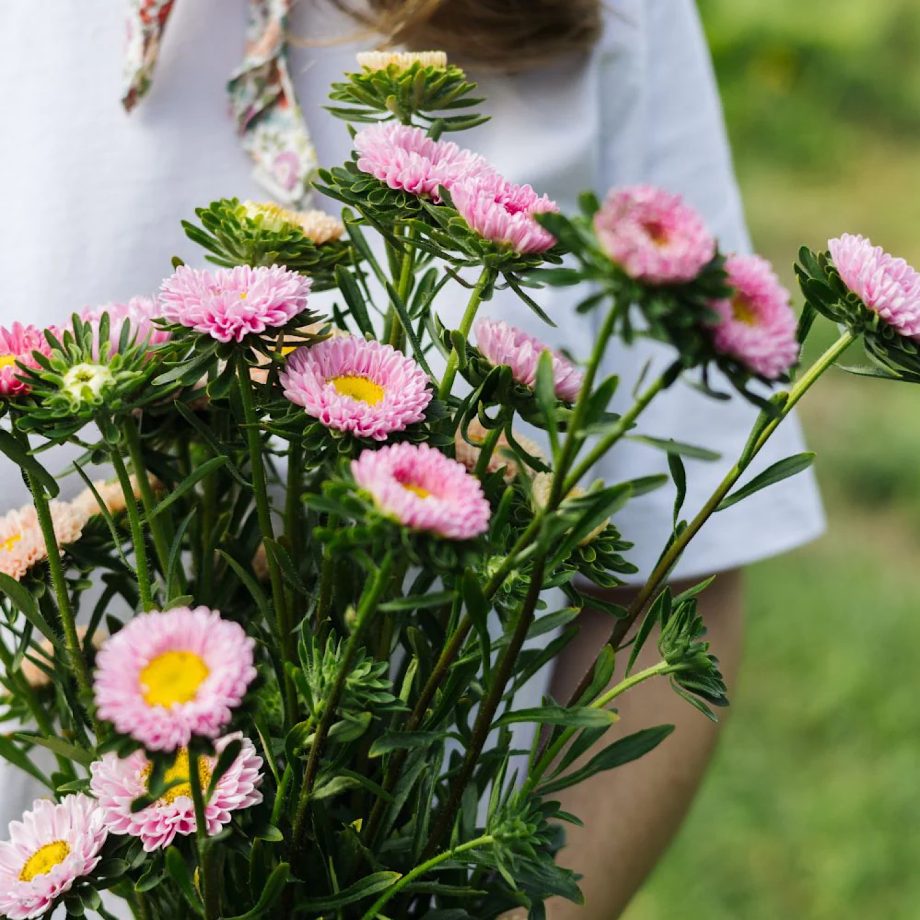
{"x":230,"y":303}
{"x":139,"y":312}
{"x":885,"y":284}
{"x":424,"y":490}
{"x":503,"y":212}
{"x":406,"y":158}
{"x":504,"y":344}
{"x":170,"y":675}
{"x":17,"y":344}
{"x":757,"y":327}
{"x":367,"y":388}
{"x":22,"y":544}
{"x":116,"y":783}
{"x":653,"y":235}
{"x":52,"y":847}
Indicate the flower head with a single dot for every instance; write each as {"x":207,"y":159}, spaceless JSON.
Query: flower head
{"x":504,"y":344}
{"x":86,"y":384}
{"x":653,"y":235}
{"x":424,"y":490}
{"x":231,"y":303}
{"x":22,"y":544}
{"x":52,"y":847}
{"x":139,"y":312}
{"x":16,"y":345}
{"x":170,"y":675}
{"x":887,"y":285}
{"x":401,"y":60}
{"x":503,"y":212}
{"x":366,"y":388}
{"x":502,"y":458}
{"x":757,"y":325}
{"x":117,"y":782}
{"x":406,"y":158}
{"x":317,"y":226}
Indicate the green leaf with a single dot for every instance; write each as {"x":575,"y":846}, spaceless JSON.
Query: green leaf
{"x":545,"y":392}
{"x":361,"y":889}
{"x":670,"y":446}
{"x":779,"y":471}
{"x":270,"y":893}
{"x":189,"y":483}
{"x":622,"y":751}
{"x":180,"y":874}
{"x":59,"y":746}
{"x":578,"y":717}
{"x":27,"y":606}
{"x":19,"y":453}
{"x":679,"y":475}
{"x":18,"y":758}
{"x":394,"y":741}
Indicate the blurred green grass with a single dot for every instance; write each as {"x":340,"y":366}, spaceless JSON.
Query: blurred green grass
{"x":812,"y":807}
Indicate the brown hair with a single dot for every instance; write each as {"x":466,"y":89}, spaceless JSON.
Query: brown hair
{"x":507,"y":35}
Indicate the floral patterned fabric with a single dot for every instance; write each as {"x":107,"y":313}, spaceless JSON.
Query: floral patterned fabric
{"x":270,"y":121}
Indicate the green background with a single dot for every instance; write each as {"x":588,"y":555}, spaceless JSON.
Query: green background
{"x":812,"y":808}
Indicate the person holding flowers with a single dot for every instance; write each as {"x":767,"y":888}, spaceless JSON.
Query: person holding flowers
{"x":579,"y":96}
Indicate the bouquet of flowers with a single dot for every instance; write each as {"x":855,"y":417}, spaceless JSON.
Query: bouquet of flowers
{"x":267,"y":666}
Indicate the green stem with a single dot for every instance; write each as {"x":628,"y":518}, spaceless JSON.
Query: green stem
{"x":396,"y":336}
{"x":283,"y":626}
{"x":293,"y":505}
{"x":501,"y":674}
{"x":670,"y":557}
{"x":622,"y":426}
{"x":330,"y":705}
{"x":550,"y":754}
{"x":486,"y":280}
{"x":157,"y":525}
{"x":391,"y":892}
{"x":209,"y":888}
{"x":62,"y":595}
{"x":486,"y":451}
{"x":142,"y":567}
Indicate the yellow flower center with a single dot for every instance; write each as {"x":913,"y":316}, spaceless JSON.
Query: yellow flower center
{"x":8,"y":544}
{"x":7,"y":360}
{"x":361,"y":388}
{"x":44,"y":859}
{"x":287,"y":349}
{"x":173,"y":677}
{"x":742,"y":310}
{"x":178,"y":774}
{"x":416,"y":490}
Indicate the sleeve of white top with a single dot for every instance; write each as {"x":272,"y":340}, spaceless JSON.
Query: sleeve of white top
{"x":676,"y":139}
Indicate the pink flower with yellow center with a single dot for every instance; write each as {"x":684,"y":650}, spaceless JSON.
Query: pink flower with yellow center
{"x":16,"y":345}
{"x":22,"y":544}
{"x":422,"y":489}
{"x":138,"y":312}
{"x":117,"y":782}
{"x":52,"y":847}
{"x":230,"y":303}
{"x":168,"y":676}
{"x":405,"y":158}
{"x":366,"y":388}
{"x":653,"y":235}
{"x":501,"y":344}
{"x":886,"y":284}
{"x":503,"y":212}
{"x":757,"y":327}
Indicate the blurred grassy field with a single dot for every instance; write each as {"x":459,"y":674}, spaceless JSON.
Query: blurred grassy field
{"x":812,"y":809}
